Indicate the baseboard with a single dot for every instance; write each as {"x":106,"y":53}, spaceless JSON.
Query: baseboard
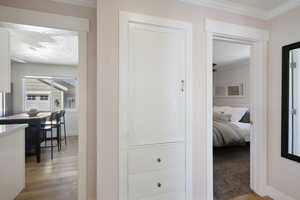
{"x":72,"y":133}
{"x":277,"y":195}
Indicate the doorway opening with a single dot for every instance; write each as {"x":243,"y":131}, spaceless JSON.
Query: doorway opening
{"x":257,"y":39}
{"x":44,"y":80}
{"x":231,"y":119}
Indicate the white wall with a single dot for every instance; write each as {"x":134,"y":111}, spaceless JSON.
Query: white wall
{"x":108,"y":138}
{"x":234,"y":74}
{"x":20,"y":70}
{"x":284,"y":174}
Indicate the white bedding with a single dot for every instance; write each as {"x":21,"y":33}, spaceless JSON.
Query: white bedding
{"x":245,"y":130}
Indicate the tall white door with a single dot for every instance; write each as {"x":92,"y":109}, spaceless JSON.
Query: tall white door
{"x":156,"y":92}
{"x":152,"y":110}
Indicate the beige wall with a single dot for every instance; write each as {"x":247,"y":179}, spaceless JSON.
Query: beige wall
{"x":284,"y":174}
{"x":236,"y":73}
{"x":89,"y":13}
{"x":108,"y":74}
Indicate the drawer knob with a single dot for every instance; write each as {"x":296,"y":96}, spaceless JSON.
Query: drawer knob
{"x":158,"y":160}
{"x":159,"y":185}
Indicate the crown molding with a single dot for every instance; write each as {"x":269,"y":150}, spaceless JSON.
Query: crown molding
{"x":84,"y":3}
{"x":289,"y":5}
{"x":248,"y":11}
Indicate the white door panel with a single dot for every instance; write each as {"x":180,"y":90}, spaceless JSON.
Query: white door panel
{"x":156,"y":72}
{"x":156,"y":157}
{"x":154,"y":162}
{"x":156,"y":183}
{"x":5,"y":66}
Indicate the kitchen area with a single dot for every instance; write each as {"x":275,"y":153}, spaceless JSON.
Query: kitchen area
{"x":38,"y":111}
{"x":12,"y":136}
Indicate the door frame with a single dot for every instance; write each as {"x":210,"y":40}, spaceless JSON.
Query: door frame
{"x":124,"y":19}
{"x":258,"y":40}
{"x":81,"y":26}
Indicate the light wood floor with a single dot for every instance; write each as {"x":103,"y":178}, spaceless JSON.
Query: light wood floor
{"x":57,"y":179}
{"x":53,"y":180}
{"x":251,"y":197}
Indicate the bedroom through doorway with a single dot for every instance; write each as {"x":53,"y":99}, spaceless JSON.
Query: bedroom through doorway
{"x":231,"y":119}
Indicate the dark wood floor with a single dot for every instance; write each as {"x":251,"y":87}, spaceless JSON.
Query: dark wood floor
{"x":231,"y":172}
{"x":53,"y":180}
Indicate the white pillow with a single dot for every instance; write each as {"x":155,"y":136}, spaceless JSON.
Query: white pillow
{"x":221,"y":109}
{"x":221,"y":117}
{"x":236,"y":113}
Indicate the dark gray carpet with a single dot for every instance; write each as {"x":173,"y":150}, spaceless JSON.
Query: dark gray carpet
{"x":231,"y":172}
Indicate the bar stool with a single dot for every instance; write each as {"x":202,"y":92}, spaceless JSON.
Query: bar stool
{"x":63,"y":123}
{"x":48,"y":126}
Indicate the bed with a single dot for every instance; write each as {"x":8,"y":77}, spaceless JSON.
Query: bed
{"x":231,"y":126}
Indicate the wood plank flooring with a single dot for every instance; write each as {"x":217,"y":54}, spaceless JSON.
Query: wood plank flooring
{"x":53,"y":180}
{"x":251,"y":197}
{"x":57,"y":179}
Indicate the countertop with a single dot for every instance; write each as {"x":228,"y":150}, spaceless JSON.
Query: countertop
{"x":8,"y":129}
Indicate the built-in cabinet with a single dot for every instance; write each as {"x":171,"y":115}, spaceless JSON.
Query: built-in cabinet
{"x":12,"y":156}
{"x":5,"y":64}
{"x":153,"y":110}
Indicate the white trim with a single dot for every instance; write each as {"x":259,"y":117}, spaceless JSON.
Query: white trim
{"x":245,"y":10}
{"x":38,"y":92}
{"x":283,"y":9}
{"x":84,"y":3}
{"x":277,"y":195}
{"x":81,"y":25}
{"x":35,"y":18}
{"x":258,"y":69}
{"x":245,"y":33}
{"x":230,"y":7}
{"x":82,"y":118}
{"x":125,"y":19}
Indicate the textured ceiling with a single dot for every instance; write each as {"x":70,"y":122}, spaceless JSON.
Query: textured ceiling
{"x":42,"y":45}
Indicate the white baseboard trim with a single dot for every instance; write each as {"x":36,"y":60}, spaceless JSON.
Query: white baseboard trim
{"x":277,"y":195}
{"x":73,"y":133}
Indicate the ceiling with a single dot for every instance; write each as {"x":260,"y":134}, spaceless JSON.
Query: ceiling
{"x":85,"y":3}
{"x":226,"y":54}
{"x":262,"y":9}
{"x":260,"y":4}
{"x":34,"y":44}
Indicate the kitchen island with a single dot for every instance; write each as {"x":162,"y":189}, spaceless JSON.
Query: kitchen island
{"x":12,"y":160}
{"x":32,"y":135}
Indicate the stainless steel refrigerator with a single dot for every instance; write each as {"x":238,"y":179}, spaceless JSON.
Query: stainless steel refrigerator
{"x":6,"y":103}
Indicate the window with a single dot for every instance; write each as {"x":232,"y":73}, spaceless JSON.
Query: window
{"x":44,"y":98}
{"x":31,"y":97}
{"x":229,"y":90}
{"x":50,"y":94}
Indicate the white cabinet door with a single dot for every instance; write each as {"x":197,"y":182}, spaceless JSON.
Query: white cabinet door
{"x":156,"y":77}
{"x":156,"y":183}
{"x":4,"y":61}
{"x":154,"y":57}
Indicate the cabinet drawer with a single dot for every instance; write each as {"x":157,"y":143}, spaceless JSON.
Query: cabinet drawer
{"x":169,"y":196}
{"x":156,"y":157}
{"x":153,"y":184}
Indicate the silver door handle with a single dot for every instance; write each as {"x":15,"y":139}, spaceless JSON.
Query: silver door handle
{"x":182,"y":85}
